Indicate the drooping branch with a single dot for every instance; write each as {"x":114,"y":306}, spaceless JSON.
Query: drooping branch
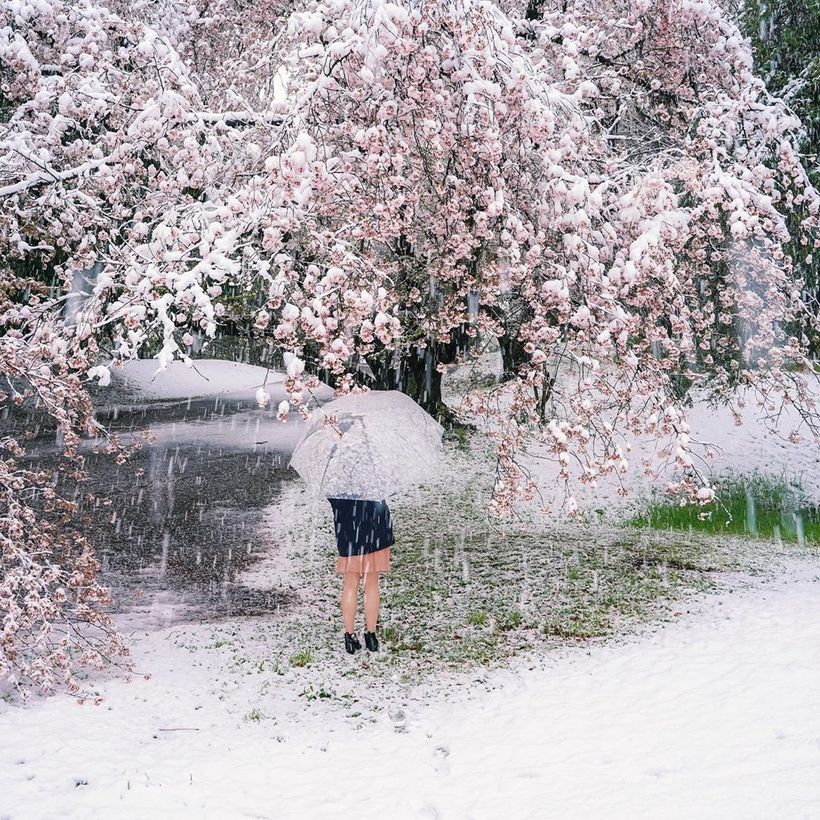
{"x":48,"y":175}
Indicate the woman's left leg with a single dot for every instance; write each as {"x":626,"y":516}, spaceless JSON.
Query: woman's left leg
{"x":371,"y":600}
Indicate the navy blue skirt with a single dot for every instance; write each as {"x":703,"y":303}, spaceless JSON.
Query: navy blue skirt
{"x":362,"y":526}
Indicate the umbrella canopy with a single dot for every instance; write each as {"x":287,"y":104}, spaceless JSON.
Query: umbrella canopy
{"x":368,"y":445}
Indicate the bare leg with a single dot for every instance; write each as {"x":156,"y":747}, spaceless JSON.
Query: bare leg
{"x":371,"y":600}
{"x":350,"y":599}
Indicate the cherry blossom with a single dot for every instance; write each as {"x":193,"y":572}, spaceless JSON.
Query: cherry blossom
{"x":377,"y":190}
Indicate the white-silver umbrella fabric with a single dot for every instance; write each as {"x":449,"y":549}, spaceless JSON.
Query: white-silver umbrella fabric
{"x":368,"y":445}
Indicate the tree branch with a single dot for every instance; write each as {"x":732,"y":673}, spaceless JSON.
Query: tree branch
{"x":47,"y":176}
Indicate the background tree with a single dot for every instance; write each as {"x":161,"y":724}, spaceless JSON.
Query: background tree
{"x":785,"y":37}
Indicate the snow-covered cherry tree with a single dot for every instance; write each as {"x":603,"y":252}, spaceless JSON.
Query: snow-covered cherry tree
{"x":602,"y":186}
{"x":608,"y":191}
{"x":88,"y":104}
{"x":702,"y":181}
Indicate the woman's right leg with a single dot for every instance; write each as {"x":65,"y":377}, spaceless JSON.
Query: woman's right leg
{"x":350,"y":600}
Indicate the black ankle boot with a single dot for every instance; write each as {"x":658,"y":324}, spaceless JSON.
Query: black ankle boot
{"x":371,"y":642}
{"x":351,"y":642}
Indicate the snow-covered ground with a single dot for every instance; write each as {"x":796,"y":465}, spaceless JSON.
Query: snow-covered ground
{"x":712,"y":716}
{"x":202,"y":378}
{"x":256,"y":429}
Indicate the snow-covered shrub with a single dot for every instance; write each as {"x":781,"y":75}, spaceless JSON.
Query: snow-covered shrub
{"x":52,"y":606}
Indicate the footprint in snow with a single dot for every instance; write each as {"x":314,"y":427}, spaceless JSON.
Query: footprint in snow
{"x":399,"y":718}
{"x":441,"y":763}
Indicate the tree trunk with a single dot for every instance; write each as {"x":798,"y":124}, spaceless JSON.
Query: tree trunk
{"x":512,"y":356}
{"x":415,"y":372}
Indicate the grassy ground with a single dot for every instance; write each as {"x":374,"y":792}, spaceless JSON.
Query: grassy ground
{"x":462,"y":591}
{"x":756,"y":506}
{"x":463,"y":595}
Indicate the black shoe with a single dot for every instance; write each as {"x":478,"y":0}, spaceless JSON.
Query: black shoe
{"x":351,"y":642}
{"x":371,"y":642}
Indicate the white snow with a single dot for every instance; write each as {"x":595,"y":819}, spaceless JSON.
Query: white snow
{"x":102,"y":373}
{"x":204,"y":378}
{"x":713,"y":716}
{"x":257,"y":430}
{"x":720,"y":447}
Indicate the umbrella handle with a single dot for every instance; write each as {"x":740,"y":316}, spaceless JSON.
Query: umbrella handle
{"x":327,"y":463}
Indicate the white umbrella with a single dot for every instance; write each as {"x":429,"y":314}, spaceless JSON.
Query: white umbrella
{"x":368,"y":445}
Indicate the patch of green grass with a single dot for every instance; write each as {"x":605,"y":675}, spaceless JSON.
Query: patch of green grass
{"x":453,"y":571}
{"x":301,"y":658}
{"x":403,"y":640}
{"x":478,"y":618}
{"x":466,"y":591}
{"x":460,"y":434}
{"x":390,"y":634}
{"x":757,"y":506}
{"x":511,"y":619}
{"x":220,"y":644}
{"x":311,"y":693}
{"x":254,"y":715}
{"x":575,"y":624}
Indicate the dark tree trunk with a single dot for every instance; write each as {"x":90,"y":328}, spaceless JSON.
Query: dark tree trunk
{"x":415,"y":372}
{"x":512,"y":356}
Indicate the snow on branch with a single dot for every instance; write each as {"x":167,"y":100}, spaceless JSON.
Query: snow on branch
{"x":48,"y":175}
{"x":236,"y":119}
